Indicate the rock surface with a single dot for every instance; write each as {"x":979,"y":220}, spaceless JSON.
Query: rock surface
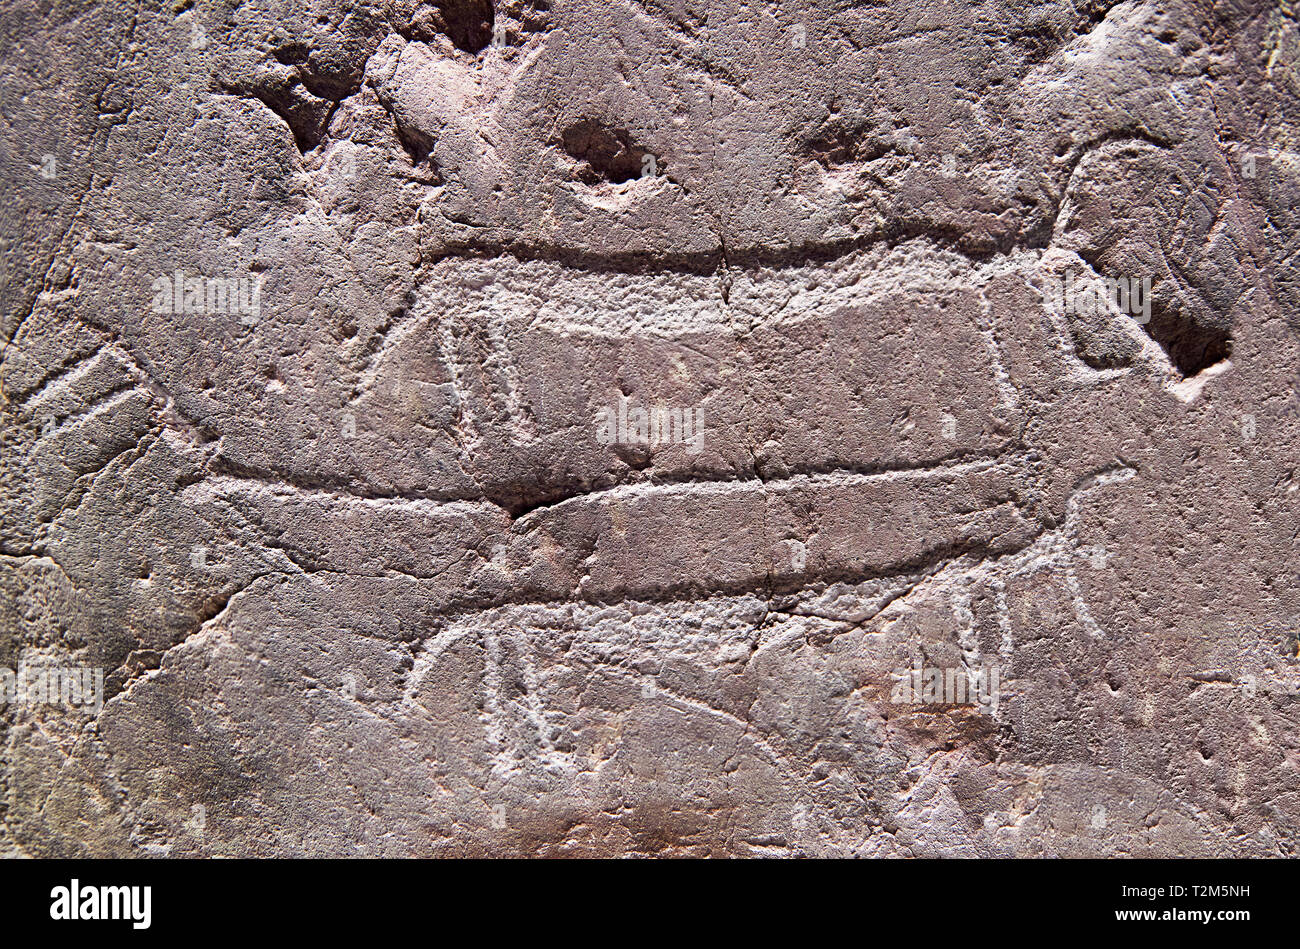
{"x":497,"y":428}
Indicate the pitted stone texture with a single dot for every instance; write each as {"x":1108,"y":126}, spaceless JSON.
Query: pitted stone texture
{"x":367,"y":569}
